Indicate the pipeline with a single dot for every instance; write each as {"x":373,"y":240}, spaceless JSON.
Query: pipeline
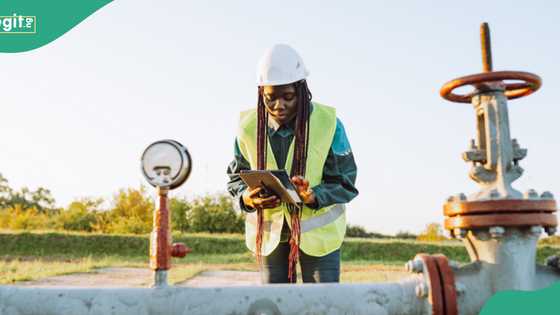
{"x":389,"y":299}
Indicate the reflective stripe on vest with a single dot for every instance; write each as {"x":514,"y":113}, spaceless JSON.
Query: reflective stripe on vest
{"x":323,"y":219}
{"x":311,"y":223}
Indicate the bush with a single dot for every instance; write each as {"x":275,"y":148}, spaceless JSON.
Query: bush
{"x":81,"y":215}
{"x":18,"y":218}
{"x":214,"y":214}
{"x":179,"y":208}
{"x":553,"y":240}
{"x":132,"y":213}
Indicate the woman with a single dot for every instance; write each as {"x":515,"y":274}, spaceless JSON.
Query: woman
{"x":288,"y":131}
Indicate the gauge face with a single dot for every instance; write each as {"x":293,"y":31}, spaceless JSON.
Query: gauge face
{"x":166,"y":163}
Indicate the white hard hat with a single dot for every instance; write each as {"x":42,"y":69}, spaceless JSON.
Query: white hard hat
{"x":280,"y":65}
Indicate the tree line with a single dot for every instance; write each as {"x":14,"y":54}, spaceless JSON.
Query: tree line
{"x":131,"y":212}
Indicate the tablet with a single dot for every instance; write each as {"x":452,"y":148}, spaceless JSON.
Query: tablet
{"x":276,"y":181}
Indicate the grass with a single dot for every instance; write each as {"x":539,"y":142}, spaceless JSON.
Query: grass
{"x":350,"y":273}
{"x":33,"y":255}
{"x":13,"y":271}
{"x":216,"y":248}
{"x":360,"y":273}
{"x":27,"y":268}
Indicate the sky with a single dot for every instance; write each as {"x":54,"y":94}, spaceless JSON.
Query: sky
{"x":76,"y":114}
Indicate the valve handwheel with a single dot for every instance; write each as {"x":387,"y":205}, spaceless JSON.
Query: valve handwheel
{"x":530,"y":82}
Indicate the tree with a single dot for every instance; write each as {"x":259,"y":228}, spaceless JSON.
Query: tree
{"x":432,"y":233}
{"x":40,"y":199}
{"x":5,"y":192}
{"x":132,"y":212}
{"x":356,"y":231}
{"x":179,"y":207}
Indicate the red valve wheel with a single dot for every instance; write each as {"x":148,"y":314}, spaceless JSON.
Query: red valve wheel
{"x":532,"y":83}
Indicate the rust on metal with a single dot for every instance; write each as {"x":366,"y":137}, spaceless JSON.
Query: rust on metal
{"x":497,"y":206}
{"x":447,"y":279}
{"x":531,"y":83}
{"x":160,"y":247}
{"x":436,"y":293}
{"x":502,"y":219}
{"x":486,"y":47}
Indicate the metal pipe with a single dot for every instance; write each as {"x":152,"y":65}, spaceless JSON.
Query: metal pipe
{"x":160,"y":240}
{"x":385,"y":299}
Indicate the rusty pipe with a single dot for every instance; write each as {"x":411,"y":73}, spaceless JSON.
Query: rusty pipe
{"x":161,"y":247}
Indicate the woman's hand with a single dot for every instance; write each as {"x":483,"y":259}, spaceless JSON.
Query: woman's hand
{"x":252,"y":199}
{"x":305,"y":192}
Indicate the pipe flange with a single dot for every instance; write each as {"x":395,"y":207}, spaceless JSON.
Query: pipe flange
{"x":504,"y":213}
{"x":439,"y":276}
{"x":548,"y":220}
{"x":453,"y":208}
{"x":448,"y":282}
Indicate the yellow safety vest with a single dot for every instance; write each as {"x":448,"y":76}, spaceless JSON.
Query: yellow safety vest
{"x":322,"y":230}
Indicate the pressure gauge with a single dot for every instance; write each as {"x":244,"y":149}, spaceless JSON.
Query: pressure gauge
{"x":166,"y":164}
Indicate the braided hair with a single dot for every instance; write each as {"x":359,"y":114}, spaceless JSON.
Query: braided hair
{"x":298,"y":166}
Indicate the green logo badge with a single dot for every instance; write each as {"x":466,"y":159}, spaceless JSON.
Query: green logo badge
{"x":18,"y":24}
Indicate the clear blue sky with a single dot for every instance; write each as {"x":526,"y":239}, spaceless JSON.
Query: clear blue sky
{"x":76,"y":114}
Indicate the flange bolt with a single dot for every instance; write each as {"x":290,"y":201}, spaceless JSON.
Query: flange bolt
{"x":531,"y":194}
{"x":551,"y":230}
{"x":536,"y":230}
{"x":415,"y":266}
{"x":494,"y":194}
{"x":497,"y":231}
{"x":457,"y":198}
{"x":460,"y":233}
{"x":453,"y":264}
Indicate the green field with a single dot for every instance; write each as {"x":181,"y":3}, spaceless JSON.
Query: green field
{"x":33,"y":255}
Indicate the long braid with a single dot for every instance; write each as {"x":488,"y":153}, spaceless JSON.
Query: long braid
{"x":298,"y":169}
{"x":262,"y":123}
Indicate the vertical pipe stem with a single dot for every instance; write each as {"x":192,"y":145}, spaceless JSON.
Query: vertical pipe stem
{"x":160,"y":240}
{"x":486,"y":47}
